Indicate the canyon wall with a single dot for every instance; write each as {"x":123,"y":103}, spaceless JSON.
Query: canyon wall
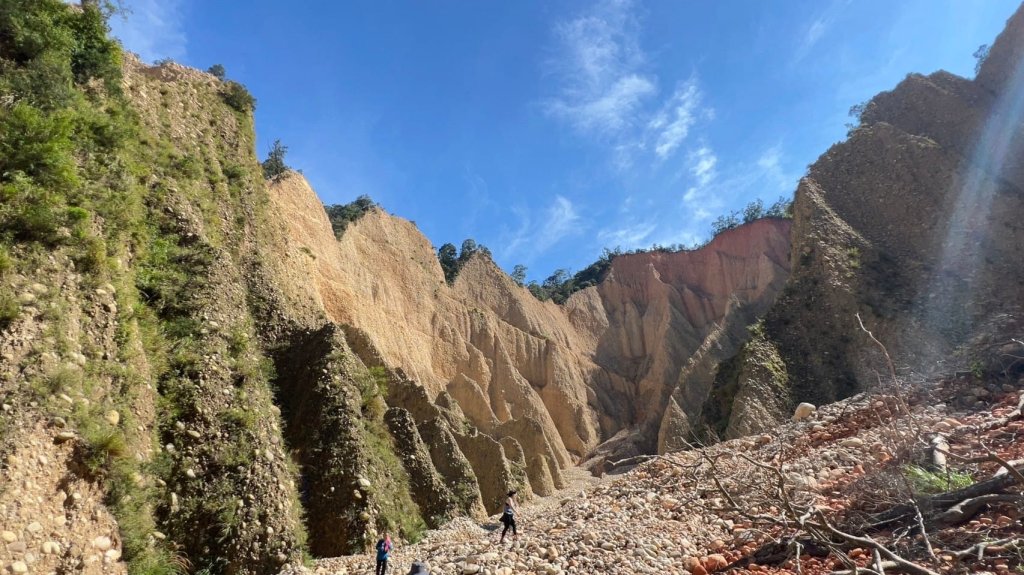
{"x":561,"y":380}
{"x":914,"y":224}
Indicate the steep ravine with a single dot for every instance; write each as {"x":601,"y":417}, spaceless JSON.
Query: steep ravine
{"x":196,"y":374}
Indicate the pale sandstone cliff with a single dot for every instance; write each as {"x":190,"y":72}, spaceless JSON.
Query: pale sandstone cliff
{"x":560,"y":380}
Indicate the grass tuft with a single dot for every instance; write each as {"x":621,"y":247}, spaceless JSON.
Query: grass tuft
{"x":928,"y":482}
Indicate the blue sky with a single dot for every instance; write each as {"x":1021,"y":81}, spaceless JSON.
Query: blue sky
{"x":547,"y":131}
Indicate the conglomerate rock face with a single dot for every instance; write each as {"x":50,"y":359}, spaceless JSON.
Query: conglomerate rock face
{"x":914,"y":224}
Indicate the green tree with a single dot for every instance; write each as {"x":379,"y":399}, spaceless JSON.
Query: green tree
{"x":782,"y":208}
{"x":537,"y":291}
{"x":238,"y":97}
{"x":448,"y":257}
{"x":469,"y":248}
{"x":218,"y":71}
{"x":274,"y":165}
{"x":723,"y":223}
{"x":519,"y":274}
{"x":341,"y":215}
{"x":753,"y":211}
{"x":980,"y":55}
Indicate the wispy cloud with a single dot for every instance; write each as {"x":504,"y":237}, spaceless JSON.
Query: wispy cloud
{"x":713,"y":187}
{"x":628,"y":236}
{"x":601,"y":85}
{"x":709,"y":193}
{"x":703,"y":165}
{"x":605,"y":90}
{"x":153,"y":29}
{"x":817,"y":29}
{"x":534,"y":236}
{"x":672,"y":123}
{"x":774,"y":178}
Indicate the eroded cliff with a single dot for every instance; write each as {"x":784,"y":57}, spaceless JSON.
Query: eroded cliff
{"x":560,"y":380}
{"x":914,"y":224}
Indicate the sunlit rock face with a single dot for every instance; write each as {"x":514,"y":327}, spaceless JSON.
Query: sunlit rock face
{"x":560,"y":380}
{"x":914,"y":223}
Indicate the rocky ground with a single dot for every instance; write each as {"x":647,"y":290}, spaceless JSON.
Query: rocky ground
{"x":724,"y":507}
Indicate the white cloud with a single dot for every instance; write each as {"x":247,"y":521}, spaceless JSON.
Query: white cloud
{"x":600,"y":82}
{"x":609,"y":111}
{"x":629,"y":236}
{"x":605,"y":90}
{"x":672,"y":123}
{"x":708,"y":193}
{"x":817,"y":29}
{"x":560,"y":220}
{"x":774,"y":178}
{"x":703,"y":165}
{"x":532,"y":238}
{"x":153,"y":29}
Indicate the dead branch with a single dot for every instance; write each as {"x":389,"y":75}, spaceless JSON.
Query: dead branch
{"x":885,"y":565}
{"x":901,"y":563}
{"x":1008,"y":418}
{"x":939,"y":447}
{"x":813,"y":522}
{"x":993,"y":457}
{"x":632,"y":460}
{"x":943,"y":501}
{"x":878,"y":561}
{"x":885,"y":352}
{"x":924,"y":533}
{"x":980,"y":548}
{"x":968,"y":508}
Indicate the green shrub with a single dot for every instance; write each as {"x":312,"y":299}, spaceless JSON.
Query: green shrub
{"x":188,"y":167}
{"x":274,"y":165}
{"x":234,"y":172}
{"x":388,"y":478}
{"x":9,"y":306}
{"x":94,"y":54}
{"x":341,"y":215}
{"x":37,"y":144}
{"x":373,"y":387}
{"x":218,"y":71}
{"x":238,"y":97}
{"x":64,"y":379}
{"x":91,"y":255}
{"x":244,"y":419}
{"x":104,"y":444}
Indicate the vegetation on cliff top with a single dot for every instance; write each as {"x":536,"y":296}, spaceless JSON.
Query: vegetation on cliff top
{"x":341,"y":215}
{"x":562,"y":283}
{"x":452,"y":262}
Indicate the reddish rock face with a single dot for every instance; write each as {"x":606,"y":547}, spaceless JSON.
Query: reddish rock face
{"x":661,"y":309}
